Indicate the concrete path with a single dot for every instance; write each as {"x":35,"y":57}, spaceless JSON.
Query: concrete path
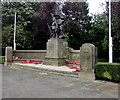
{"x":17,"y":83}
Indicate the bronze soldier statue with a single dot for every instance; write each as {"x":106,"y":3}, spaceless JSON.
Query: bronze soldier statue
{"x":56,"y":28}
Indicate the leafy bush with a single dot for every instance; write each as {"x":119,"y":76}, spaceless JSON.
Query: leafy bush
{"x":2,"y":59}
{"x":110,"y":71}
{"x":102,"y":60}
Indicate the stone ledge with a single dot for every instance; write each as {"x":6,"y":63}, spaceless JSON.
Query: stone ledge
{"x":23,"y":60}
{"x":53,"y":71}
{"x":29,"y":51}
{"x":27,"y":59}
{"x":73,"y":51}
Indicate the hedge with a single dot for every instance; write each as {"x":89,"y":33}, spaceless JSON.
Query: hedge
{"x":2,"y":59}
{"x":110,"y":71}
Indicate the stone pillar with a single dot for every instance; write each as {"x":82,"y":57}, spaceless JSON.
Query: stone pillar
{"x":8,"y":55}
{"x":88,"y":56}
{"x":56,"y":51}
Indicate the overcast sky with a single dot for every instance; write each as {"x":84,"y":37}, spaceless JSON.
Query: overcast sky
{"x":94,"y":6}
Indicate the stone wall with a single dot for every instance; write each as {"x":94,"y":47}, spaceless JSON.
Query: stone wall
{"x":30,"y":54}
{"x":39,"y":54}
{"x":74,"y":54}
{"x":8,"y":55}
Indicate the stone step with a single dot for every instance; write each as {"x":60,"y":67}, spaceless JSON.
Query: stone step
{"x":50,"y":69}
{"x":23,"y":60}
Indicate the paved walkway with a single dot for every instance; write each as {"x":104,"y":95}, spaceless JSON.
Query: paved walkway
{"x":18,"y":83}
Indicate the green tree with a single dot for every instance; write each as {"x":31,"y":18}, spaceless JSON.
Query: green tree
{"x":98,"y":34}
{"x":77,"y":23}
{"x":24,"y":34}
{"x":41,"y":18}
{"x":116,"y":30}
{"x":99,"y":30}
{"x":32,"y":18}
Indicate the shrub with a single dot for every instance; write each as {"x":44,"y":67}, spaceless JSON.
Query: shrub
{"x":2,"y":59}
{"x":102,"y":60}
{"x":110,"y":71}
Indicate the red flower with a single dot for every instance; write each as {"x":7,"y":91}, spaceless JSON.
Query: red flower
{"x":29,"y":62}
{"x":73,"y":67}
{"x":36,"y":62}
{"x":76,"y":71}
{"x":71,"y":61}
{"x":16,"y":58}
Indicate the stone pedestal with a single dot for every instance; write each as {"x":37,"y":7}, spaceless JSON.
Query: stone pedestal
{"x":88,"y":56}
{"x":56,"y":51}
{"x":8,"y":55}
